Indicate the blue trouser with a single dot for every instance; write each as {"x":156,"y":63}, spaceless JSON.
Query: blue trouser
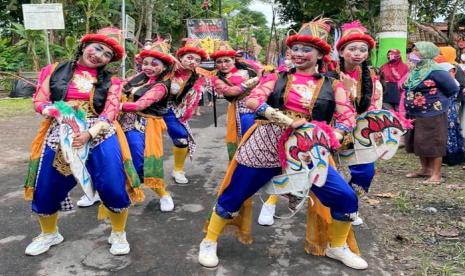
{"x":247,"y":120}
{"x":362,"y":175}
{"x":136,"y":142}
{"x":177,"y":131}
{"x":246,"y":181}
{"x":105,"y":165}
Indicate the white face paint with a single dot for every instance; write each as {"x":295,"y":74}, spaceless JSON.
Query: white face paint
{"x":152,"y":67}
{"x":190,"y":60}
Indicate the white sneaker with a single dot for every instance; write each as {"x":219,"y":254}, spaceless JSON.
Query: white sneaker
{"x":84,"y":201}
{"x":266,"y":216}
{"x":43,"y":242}
{"x":179,"y":177}
{"x":119,"y":244}
{"x":166,"y":203}
{"x":346,"y":256}
{"x":358,"y":221}
{"x":207,"y":253}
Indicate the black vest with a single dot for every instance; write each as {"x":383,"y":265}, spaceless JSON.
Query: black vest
{"x":61,"y":79}
{"x":325,"y":104}
{"x":156,"y":109}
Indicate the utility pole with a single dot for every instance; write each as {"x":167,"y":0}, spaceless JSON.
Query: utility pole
{"x":393,"y":35}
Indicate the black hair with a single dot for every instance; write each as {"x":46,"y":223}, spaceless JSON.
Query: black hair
{"x":367,"y":86}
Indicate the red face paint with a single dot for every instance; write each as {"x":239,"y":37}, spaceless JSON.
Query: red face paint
{"x":190,"y":61}
{"x":96,"y":55}
{"x":224,"y":64}
{"x":355,"y":53}
{"x":152,"y":67}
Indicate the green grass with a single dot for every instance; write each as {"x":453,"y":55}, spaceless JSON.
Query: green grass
{"x":14,"y":107}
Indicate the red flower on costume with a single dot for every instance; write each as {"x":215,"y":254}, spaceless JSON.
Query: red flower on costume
{"x":419,"y":100}
{"x":433,"y":91}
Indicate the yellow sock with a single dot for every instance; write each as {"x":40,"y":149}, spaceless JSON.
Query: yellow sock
{"x":160,"y":191}
{"x":215,"y":227}
{"x":118,"y":220}
{"x":180,"y":155}
{"x":339,"y":231}
{"x":48,"y":224}
{"x":272,"y":200}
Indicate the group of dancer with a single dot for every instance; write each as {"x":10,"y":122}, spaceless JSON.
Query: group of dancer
{"x":126,"y":120}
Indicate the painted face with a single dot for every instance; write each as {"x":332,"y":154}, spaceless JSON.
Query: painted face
{"x":355,"y":52}
{"x":224,"y":64}
{"x":96,"y":55}
{"x":152,"y":67}
{"x":190,"y":61}
{"x":304,"y":56}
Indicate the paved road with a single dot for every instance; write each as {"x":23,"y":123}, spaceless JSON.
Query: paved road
{"x":161,"y":243}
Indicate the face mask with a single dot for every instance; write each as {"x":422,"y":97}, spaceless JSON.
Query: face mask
{"x":462,"y":57}
{"x":414,"y":58}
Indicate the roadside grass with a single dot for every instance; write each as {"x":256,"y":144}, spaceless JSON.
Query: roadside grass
{"x":421,"y":227}
{"x":10,"y":107}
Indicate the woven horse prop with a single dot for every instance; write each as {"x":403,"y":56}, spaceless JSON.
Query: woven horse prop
{"x":311,"y":142}
{"x":72,"y":121}
{"x":376,"y":135}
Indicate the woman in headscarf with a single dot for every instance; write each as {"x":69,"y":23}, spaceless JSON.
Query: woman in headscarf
{"x":455,"y":153}
{"x":393,"y":75}
{"x":427,"y":90}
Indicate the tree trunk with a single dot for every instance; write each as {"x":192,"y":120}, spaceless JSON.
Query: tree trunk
{"x":451,"y":24}
{"x":148,"y":23}
{"x":393,"y":19}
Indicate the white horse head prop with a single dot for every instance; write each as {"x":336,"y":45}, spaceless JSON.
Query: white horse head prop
{"x":376,"y":136}
{"x":73,"y":121}
{"x":304,"y":154}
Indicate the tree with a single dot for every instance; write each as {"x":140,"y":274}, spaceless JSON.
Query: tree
{"x":31,"y":40}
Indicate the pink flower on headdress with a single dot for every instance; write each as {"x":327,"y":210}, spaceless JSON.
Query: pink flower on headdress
{"x":433,"y":91}
{"x":354,"y":25}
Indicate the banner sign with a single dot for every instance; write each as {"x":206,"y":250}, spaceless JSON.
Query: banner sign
{"x":43,"y":17}
{"x":216,"y":28}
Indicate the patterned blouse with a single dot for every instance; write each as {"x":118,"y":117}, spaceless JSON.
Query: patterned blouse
{"x":430,"y":97}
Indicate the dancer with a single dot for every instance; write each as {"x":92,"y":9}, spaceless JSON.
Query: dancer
{"x":185,"y":92}
{"x":142,"y":120}
{"x":84,"y":85}
{"x":364,"y":87}
{"x":288,"y":101}
{"x":233,"y":80}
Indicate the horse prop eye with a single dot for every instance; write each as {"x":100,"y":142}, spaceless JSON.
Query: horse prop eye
{"x":394,"y":132}
{"x":323,"y":152}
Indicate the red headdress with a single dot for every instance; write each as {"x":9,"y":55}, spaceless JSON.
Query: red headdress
{"x":159,"y":49}
{"x":222,"y":49}
{"x":192,"y":46}
{"x":315,"y":33}
{"x":111,"y":37}
{"x":354,"y":31}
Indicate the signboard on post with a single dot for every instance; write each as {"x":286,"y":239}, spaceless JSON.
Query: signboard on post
{"x":215,"y":28}
{"x":130,"y":27}
{"x":43,"y":16}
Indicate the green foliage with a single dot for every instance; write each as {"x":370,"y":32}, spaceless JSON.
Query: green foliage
{"x":25,"y":49}
{"x":10,"y":58}
{"x":300,"y":11}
